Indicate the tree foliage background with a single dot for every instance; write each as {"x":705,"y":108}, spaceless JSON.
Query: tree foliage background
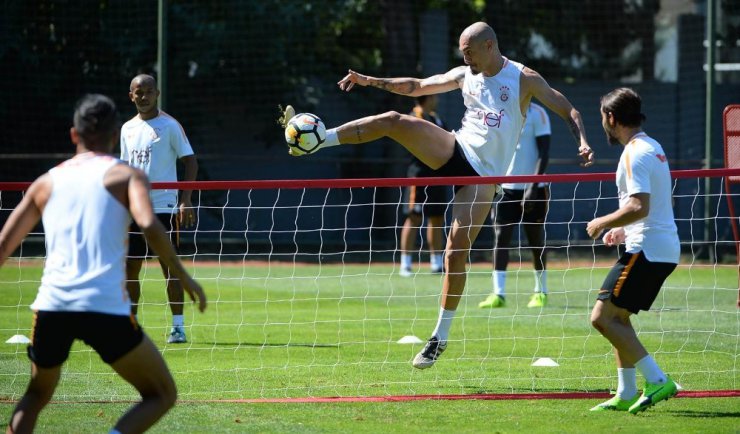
{"x":232,"y":62}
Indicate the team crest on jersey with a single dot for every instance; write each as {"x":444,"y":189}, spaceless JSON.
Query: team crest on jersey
{"x":504,"y":90}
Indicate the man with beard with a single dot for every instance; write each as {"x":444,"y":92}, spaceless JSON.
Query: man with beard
{"x":645,"y":223}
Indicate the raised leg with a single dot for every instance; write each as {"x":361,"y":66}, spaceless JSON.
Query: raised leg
{"x":428,"y":142}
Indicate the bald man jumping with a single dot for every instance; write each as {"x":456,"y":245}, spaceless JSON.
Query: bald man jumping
{"x":496,"y":93}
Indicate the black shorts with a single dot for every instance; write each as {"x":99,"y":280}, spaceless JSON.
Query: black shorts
{"x":111,"y":336}
{"x":137,"y":246}
{"x":427,"y":200}
{"x":509,"y":209}
{"x":457,"y":165}
{"x":634,"y":282}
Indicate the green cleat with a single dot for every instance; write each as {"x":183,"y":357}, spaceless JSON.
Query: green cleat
{"x":493,"y":300}
{"x":653,"y":394}
{"x":616,"y":404}
{"x":538,"y":299}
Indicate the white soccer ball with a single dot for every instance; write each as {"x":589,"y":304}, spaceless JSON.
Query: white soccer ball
{"x":304,"y":133}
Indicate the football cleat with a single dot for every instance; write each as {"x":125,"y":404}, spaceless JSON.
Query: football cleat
{"x":616,"y":404}
{"x":538,"y":299}
{"x":493,"y":300}
{"x":429,"y":355}
{"x":176,"y":336}
{"x":653,"y":394}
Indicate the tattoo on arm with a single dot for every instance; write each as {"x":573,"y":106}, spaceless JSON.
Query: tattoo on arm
{"x":402,"y":86}
{"x":357,"y":131}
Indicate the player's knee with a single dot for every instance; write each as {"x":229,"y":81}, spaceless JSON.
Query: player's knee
{"x":391,"y":118}
{"x":456,"y":256}
{"x":598,"y":321}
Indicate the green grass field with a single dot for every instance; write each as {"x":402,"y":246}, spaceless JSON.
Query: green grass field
{"x":282,"y":330}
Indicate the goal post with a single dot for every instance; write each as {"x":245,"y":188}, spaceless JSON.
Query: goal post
{"x":731,"y":139}
{"x":306,"y":301}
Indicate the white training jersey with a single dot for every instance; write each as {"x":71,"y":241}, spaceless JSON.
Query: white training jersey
{"x":86,"y":232}
{"x":537,"y":124}
{"x":154,"y":146}
{"x":643,"y":168}
{"x":493,"y":119}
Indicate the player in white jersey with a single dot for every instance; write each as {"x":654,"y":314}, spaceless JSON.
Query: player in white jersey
{"x":496,"y":93}
{"x":154,"y":141}
{"x":525,"y":205}
{"x":86,"y":204}
{"x":645,"y":223}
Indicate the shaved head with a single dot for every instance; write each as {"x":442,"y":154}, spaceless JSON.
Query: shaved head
{"x":479,"y":32}
{"x":143,"y":79}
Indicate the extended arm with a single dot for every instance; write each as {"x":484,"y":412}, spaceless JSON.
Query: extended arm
{"x":24,"y":217}
{"x":537,"y":87}
{"x":407,"y":86}
{"x":141,"y":211}
{"x":636,"y":208}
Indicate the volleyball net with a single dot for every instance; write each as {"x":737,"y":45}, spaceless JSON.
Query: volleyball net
{"x":306,"y":300}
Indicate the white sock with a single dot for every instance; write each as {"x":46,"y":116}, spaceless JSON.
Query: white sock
{"x":436,"y":260}
{"x":650,"y":370}
{"x":114,"y":431}
{"x":627,"y":383}
{"x":178,"y":320}
{"x":443,"y":324}
{"x":540,"y":281}
{"x":331,"y":139}
{"x":499,"y":283}
{"x":405,"y":260}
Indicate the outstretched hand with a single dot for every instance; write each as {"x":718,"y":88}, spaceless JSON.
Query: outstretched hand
{"x":588,"y":155}
{"x":352,"y":78}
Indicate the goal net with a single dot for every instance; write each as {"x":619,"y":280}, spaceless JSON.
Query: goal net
{"x":306,"y":300}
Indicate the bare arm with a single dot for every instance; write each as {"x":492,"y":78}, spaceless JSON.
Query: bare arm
{"x":24,"y":217}
{"x":439,"y":83}
{"x":141,"y":211}
{"x":534,"y":85}
{"x":636,"y":208}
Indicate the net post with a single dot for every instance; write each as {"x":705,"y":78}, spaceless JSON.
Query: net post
{"x":162,"y":21}
{"x":731,"y":138}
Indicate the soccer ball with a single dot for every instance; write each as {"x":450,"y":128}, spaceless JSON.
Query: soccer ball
{"x":304,"y":133}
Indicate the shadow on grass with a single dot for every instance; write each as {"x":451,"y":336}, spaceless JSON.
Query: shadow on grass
{"x":707,"y":414}
{"x":270,"y":345}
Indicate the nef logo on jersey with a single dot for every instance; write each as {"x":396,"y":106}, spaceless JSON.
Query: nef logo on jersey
{"x":661,"y":157}
{"x":504,"y":90}
{"x":493,"y":119}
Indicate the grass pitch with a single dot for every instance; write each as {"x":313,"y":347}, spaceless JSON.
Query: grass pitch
{"x":284,"y":330}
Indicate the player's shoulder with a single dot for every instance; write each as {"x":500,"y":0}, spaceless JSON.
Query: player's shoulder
{"x":169,"y":121}
{"x":167,"y":118}
{"x":645,"y":148}
{"x":124,"y":172}
{"x":132,"y":123}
